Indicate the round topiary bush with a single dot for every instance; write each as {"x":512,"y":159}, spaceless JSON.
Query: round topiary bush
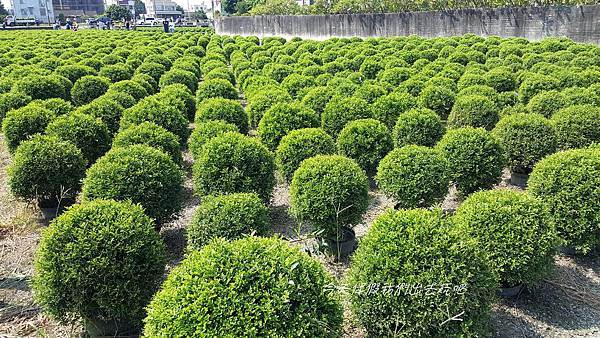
{"x":46,"y":169}
{"x":218,"y":108}
{"x":216,"y":88}
{"x":437,"y":98}
{"x":74,"y":72}
{"x":577,"y":126}
{"x":292,"y":296}
{"x":300,"y":144}
{"x":569,"y":182}
{"x":388,"y":108}
{"x":341,"y":110}
{"x":105,"y":109}
{"x":88,"y":88}
{"x":526,"y":138}
{"x":87,"y":133}
{"x":260,"y":102}
{"x":40,"y":87}
{"x":536,"y":84}
{"x":130,"y":87}
{"x":331,"y":192}
{"x":22,"y":123}
{"x":547,"y":103}
{"x":204,"y":132}
{"x":94,"y":254}
{"x":366,"y":141}
{"x":475,"y":158}
{"x":233,"y":163}
{"x":474,"y":111}
{"x":151,"y":135}
{"x":281,"y":119}
{"x":139,"y":173}
{"x":180,"y":96}
{"x":57,"y":106}
{"x":228,"y":216}
{"x":12,"y":100}
{"x":121,"y":98}
{"x":153,"y":110}
{"x":502,"y":79}
{"x":423,"y":269}
{"x":116,"y":72}
{"x":415,"y":176}
{"x":420,"y":126}
{"x":179,"y":76}
{"x":514,"y":230}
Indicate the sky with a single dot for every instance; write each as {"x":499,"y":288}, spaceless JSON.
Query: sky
{"x":182,"y":3}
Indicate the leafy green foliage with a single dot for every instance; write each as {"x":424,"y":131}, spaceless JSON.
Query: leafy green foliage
{"x":20,"y":124}
{"x":99,"y":260}
{"x":341,"y":110}
{"x":275,"y":289}
{"x":88,"y":88}
{"x":474,"y":111}
{"x":154,"y":110}
{"x":300,"y":144}
{"x":577,"y":126}
{"x":514,"y":230}
{"x":234,"y":163}
{"x":330,"y":192}
{"x":569,"y":182}
{"x":139,"y":173}
{"x":415,"y":176}
{"x":475,"y":158}
{"x":46,"y":168}
{"x":366,"y":141}
{"x":437,"y":98}
{"x":151,"y":135}
{"x":205,"y":131}
{"x":228,"y":216}
{"x":420,"y":126}
{"x":218,"y":108}
{"x":409,"y":251}
{"x":281,"y":119}
{"x":216,"y":88}
{"x":527,"y":138}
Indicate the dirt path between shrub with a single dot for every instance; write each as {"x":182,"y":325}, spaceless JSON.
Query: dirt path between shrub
{"x":565,"y":305}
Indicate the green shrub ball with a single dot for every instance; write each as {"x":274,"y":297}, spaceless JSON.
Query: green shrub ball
{"x":151,"y":135}
{"x":300,"y":144}
{"x":99,"y":260}
{"x":159,"y":112}
{"x":41,"y":87}
{"x":180,"y":96}
{"x":341,"y":110}
{"x":204,"y":132}
{"x":475,"y":111}
{"x":475,"y":158}
{"x":437,"y":98}
{"x":228,"y":216}
{"x":21,"y":124}
{"x":366,"y":141}
{"x":89,"y":134}
{"x":46,"y":168}
{"x":216,"y":88}
{"x":233,"y":163}
{"x":514,"y":230}
{"x":281,"y":119}
{"x":388,"y":108}
{"x":139,"y":173}
{"x":88,"y":88}
{"x":218,"y":108}
{"x":577,"y":126}
{"x":409,"y":249}
{"x":527,"y":138}
{"x":330,"y":192}
{"x":179,"y":76}
{"x":569,"y":182}
{"x":252,"y":286}
{"x":415,"y":176}
{"x":547,"y":103}
{"x":420,"y":126}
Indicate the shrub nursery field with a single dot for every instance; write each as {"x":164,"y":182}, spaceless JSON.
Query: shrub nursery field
{"x":196,"y":185}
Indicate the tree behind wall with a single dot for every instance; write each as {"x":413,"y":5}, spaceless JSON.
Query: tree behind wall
{"x":139,"y":7}
{"x":117,"y":13}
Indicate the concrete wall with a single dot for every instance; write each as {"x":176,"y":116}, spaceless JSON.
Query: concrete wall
{"x":580,"y":23}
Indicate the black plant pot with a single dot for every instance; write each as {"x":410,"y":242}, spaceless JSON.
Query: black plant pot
{"x":510,"y":292}
{"x":97,"y":328}
{"x":52,"y":207}
{"x":519,"y":179}
{"x":343,"y":245}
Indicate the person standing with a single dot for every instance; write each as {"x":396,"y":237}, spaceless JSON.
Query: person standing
{"x":166,"y":25}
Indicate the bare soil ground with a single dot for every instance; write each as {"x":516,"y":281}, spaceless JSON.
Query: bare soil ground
{"x":565,"y":305}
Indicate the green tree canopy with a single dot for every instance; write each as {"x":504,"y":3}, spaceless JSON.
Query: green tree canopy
{"x":139,"y":7}
{"x":117,"y":13}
